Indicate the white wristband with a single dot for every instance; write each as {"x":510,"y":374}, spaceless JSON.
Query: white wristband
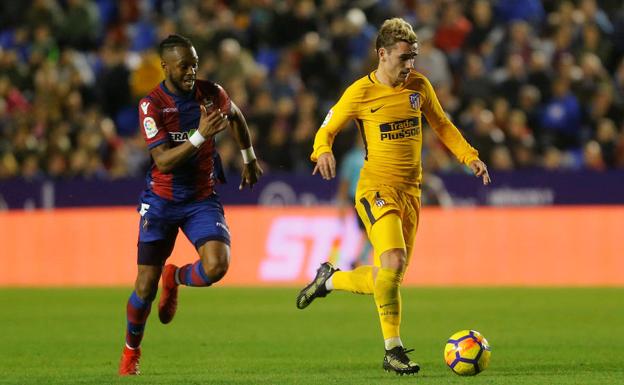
{"x":197,"y":139}
{"x":248,"y":155}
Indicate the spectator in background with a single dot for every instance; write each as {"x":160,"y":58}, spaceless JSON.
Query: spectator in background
{"x":618,"y":82}
{"x":113,"y":82}
{"x":426,"y":14}
{"x":8,"y":165}
{"x":233,"y":62}
{"x":606,"y":137}
{"x":146,"y":74}
{"x":531,"y":11}
{"x":592,"y":73}
{"x":431,"y":62}
{"x":279,"y":138}
{"x":529,"y":101}
{"x":513,"y":77}
{"x":519,"y":41}
{"x":14,"y":100}
{"x":44,"y":12}
{"x":592,"y":156}
{"x":501,"y":109}
{"x":486,"y":135}
{"x":317,"y":66}
{"x":483,"y":26}
{"x":593,"y":14}
{"x":601,"y":106}
{"x":593,"y":41}
{"x":476,"y":83}
{"x":553,"y":159}
{"x":561,"y":119}
{"x":82,"y":62}
{"x":80,"y":26}
{"x":501,"y":159}
{"x":451,"y":32}
{"x":539,"y":75}
{"x":30,"y":168}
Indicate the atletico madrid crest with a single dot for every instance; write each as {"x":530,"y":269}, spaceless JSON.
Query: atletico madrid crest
{"x":415,"y":100}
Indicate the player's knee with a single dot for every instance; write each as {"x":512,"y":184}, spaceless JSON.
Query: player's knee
{"x":394,"y":259}
{"x":215,"y":268}
{"x":146,"y":288}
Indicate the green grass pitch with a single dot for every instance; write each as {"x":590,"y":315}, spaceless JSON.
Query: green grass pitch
{"x":257,"y":336}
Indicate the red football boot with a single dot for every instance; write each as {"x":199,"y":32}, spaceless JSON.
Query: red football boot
{"x":129,"y":364}
{"x":169,"y":297}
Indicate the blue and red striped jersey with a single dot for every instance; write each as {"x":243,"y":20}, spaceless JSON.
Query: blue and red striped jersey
{"x":169,"y":118}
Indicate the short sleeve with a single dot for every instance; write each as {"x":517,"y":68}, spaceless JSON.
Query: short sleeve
{"x":151,"y":127}
{"x":224,"y":101}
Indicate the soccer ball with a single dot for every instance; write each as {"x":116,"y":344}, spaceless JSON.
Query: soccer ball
{"x":467,"y":353}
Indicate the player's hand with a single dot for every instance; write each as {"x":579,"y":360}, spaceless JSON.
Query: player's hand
{"x":251,"y":173}
{"x":212,"y":123}
{"x":480,"y":170}
{"x":326,"y":165}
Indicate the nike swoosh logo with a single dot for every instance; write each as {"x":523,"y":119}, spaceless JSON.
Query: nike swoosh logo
{"x":373,"y":110}
{"x":387,"y":304}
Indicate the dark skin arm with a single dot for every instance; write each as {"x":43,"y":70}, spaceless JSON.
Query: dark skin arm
{"x":251,"y":170}
{"x":168,"y":158}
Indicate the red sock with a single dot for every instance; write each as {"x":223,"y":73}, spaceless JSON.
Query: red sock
{"x":193,"y":275}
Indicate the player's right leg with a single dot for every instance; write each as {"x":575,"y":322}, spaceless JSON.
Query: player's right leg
{"x":360,"y":280}
{"x":370,"y":207}
{"x":137,"y":310}
{"x":156,"y":240}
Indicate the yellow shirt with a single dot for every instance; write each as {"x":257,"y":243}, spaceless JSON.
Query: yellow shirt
{"x":389,"y":120}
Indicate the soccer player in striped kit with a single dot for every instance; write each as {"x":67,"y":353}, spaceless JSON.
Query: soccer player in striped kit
{"x":179,"y":120}
{"x":387,"y":105}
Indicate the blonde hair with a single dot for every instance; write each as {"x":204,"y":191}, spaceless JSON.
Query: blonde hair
{"x":394,"y":30}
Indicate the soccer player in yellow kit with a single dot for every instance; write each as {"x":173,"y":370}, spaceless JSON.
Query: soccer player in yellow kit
{"x":387,"y":106}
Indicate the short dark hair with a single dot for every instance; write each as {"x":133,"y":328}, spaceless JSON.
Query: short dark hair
{"x":172,"y":41}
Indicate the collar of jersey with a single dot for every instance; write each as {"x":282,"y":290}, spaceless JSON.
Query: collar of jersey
{"x":183,"y":96}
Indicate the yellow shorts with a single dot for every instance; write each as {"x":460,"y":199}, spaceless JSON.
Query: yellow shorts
{"x":390,"y":217}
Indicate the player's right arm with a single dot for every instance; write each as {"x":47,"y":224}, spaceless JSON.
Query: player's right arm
{"x":166,"y":157}
{"x":337,"y":117}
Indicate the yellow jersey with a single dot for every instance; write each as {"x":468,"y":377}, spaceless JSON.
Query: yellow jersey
{"x":390,"y":122}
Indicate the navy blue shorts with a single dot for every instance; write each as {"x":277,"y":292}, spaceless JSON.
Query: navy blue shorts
{"x":200,"y":221}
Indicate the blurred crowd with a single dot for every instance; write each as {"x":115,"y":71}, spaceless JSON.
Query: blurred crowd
{"x":531,"y":84}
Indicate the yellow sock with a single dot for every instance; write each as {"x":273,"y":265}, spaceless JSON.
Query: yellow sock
{"x":388,"y":301}
{"x":359,"y":280}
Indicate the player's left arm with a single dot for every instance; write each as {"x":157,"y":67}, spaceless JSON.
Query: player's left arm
{"x":251,"y":169}
{"x":450,"y":135}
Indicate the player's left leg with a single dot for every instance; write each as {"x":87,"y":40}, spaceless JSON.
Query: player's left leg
{"x":209,"y":268}
{"x":206,"y":228}
{"x":393,"y":264}
{"x":213,"y":263}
